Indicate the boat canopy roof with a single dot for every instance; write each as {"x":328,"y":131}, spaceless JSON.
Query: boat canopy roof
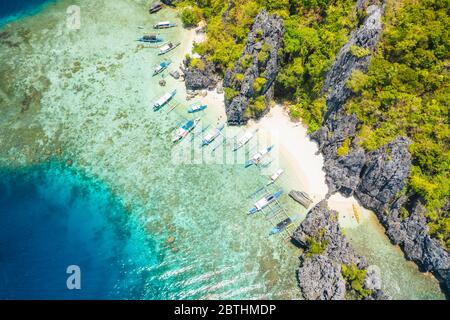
{"x":261,"y":203}
{"x":188,"y":125}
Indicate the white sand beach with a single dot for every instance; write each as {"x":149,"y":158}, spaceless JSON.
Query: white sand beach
{"x":303,"y":164}
{"x":298,"y":156}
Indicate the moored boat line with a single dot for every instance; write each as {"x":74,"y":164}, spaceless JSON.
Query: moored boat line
{"x":258,"y":159}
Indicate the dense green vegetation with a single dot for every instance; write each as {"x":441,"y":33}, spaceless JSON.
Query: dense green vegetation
{"x":344,"y":148}
{"x":406,"y":92}
{"x":315,"y":31}
{"x":354,"y":279}
{"x":315,"y":246}
{"x":190,"y":16}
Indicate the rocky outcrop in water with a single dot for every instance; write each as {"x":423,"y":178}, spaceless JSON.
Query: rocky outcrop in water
{"x":199,"y":75}
{"x":249,"y":85}
{"x":326,"y":250}
{"x":374,"y":178}
{"x":411,"y":233}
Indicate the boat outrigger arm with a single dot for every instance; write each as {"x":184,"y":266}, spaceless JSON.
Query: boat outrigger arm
{"x":264,"y":202}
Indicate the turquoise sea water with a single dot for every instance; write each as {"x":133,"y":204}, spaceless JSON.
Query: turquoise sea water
{"x":53,"y":217}
{"x":164,"y":224}
{"x":11,"y":10}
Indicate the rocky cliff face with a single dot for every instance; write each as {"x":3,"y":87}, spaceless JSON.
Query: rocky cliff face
{"x":384,"y":174}
{"x":319,"y":275}
{"x":364,"y":39}
{"x":411,"y":233}
{"x":374,"y":178}
{"x":199,"y":76}
{"x":249,"y":85}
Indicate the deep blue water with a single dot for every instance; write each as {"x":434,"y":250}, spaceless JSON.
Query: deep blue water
{"x":14,"y":9}
{"x":52,"y":217}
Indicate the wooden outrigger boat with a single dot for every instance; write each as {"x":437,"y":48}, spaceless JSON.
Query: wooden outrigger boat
{"x":161,"y":102}
{"x":276,"y":176}
{"x":244,"y":140}
{"x":167,"y":48}
{"x":212,"y":135}
{"x":184,"y":130}
{"x":301,"y":197}
{"x":258,"y":157}
{"x":196,"y":107}
{"x":265,"y":201}
{"x":161,"y":67}
{"x":164,"y":25}
{"x":283,"y":225}
{"x":155,"y":7}
{"x":150,"y":38}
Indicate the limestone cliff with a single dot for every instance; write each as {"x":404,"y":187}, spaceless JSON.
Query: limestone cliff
{"x":320,"y":276}
{"x":249,"y":85}
{"x":375,"y":178}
